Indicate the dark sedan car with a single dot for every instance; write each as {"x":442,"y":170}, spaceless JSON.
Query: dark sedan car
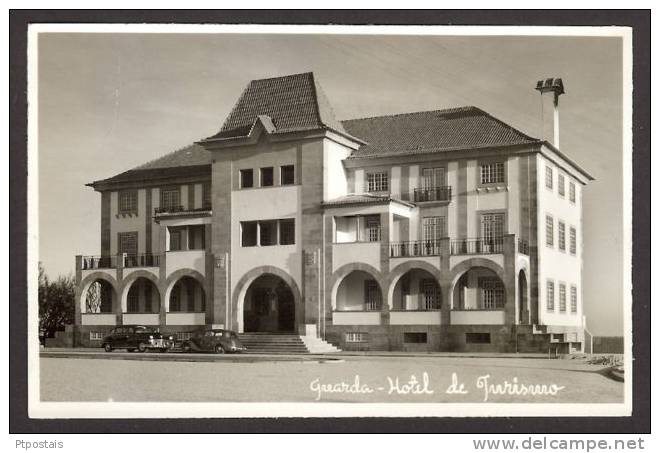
{"x":214,"y":340}
{"x":140,"y":338}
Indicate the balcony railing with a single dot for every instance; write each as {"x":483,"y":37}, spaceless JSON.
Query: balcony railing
{"x":99,"y":262}
{"x":142,"y":260}
{"x":523,"y":247}
{"x":177,"y":209}
{"x":415,"y":248}
{"x":477,"y":246}
{"x":442,"y":193}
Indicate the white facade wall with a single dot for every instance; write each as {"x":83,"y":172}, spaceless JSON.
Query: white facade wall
{"x":248,"y":205}
{"x":335,"y":182}
{"x":562,"y":267}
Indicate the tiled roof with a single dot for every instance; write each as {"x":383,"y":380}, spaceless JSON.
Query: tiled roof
{"x":434,"y":131}
{"x":293,"y":103}
{"x":189,"y":155}
{"x":192,"y":160}
{"x":362,"y":198}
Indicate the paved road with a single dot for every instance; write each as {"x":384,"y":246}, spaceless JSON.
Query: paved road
{"x":291,"y":379}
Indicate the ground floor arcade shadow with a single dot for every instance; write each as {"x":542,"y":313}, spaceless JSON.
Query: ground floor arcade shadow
{"x":269,"y":306}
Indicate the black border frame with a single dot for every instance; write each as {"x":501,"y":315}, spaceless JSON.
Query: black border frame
{"x":639,"y":422}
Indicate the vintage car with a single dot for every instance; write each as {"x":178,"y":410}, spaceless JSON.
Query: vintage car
{"x":140,"y":338}
{"x":213,"y":340}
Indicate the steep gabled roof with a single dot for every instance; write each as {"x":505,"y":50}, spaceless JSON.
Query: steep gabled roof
{"x":432,"y":131}
{"x":293,"y":103}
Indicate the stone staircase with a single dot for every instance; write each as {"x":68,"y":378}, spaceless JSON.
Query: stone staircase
{"x":282,"y":343}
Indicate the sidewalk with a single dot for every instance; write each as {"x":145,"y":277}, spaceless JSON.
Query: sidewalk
{"x":98,"y":353}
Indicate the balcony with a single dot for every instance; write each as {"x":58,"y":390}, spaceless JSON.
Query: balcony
{"x":98,"y":262}
{"x":415,"y":248}
{"x":477,"y":246}
{"x":142,"y":260}
{"x":164,"y":211}
{"x":428,"y":194}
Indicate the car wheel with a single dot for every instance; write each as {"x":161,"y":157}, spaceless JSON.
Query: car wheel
{"x":131,"y":349}
{"x":107,"y":347}
{"x":164,"y":349}
{"x":142,"y":347}
{"x":219,"y":349}
{"x":186,"y":347}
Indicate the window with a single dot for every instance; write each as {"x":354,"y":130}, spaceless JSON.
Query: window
{"x":356,"y":337}
{"x":271,"y":232}
{"x":248,"y":234}
{"x":414,"y":337}
{"x":127,"y":243}
{"x":561,"y":190}
{"x":133,"y":301}
{"x":433,"y":228}
{"x":247,"y":178}
{"x":477,"y":337}
{"x":430,"y":294}
{"x":548,"y":177}
{"x":561,"y":238}
{"x":492,"y":293}
{"x":492,"y":173}
{"x":190,"y":296}
{"x":196,"y":237}
{"x":433,"y":177}
{"x":175,"y":298}
{"x":371,"y":295}
{"x":95,"y":336}
{"x":549,"y":231}
{"x":148,"y":299}
{"x":128,"y":200}
{"x":573,"y":240}
{"x":175,"y":239}
{"x":492,"y":226}
{"x":287,"y":175}
{"x":266,"y":176}
{"x":573,"y":299}
{"x":571,"y":192}
{"x":287,"y":231}
{"x":170,"y":199}
{"x":183,"y":336}
{"x":206,"y":195}
{"x":562,"y":297}
{"x":377,"y":182}
{"x":268,"y":232}
{"x":373,"y":228}
{"x":550,"y":295}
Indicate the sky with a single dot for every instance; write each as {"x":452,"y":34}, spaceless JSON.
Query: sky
{"x":110,"y":102}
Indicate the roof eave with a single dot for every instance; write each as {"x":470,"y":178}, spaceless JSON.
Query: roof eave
{"x":581,"y":170}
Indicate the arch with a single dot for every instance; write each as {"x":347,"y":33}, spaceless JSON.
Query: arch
{"x":474,"y":265}
{"x":127,"y":283}
{"x":345,"y":270}
{"x":464,"y":266}
{"x":241,"y":288}
{"x":174,"y":277}
{"x":91,"y":278}
{"x":403,"y":268}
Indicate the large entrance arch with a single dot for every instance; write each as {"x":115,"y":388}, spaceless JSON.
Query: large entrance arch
{"x":269,"y":306}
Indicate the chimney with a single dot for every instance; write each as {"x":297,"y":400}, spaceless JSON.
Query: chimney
{"x":550,"y":90}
